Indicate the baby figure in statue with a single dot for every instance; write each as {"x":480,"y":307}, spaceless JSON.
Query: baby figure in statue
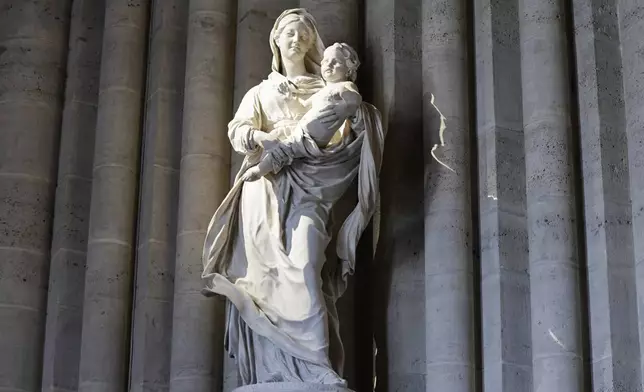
{"x":339,"y":66}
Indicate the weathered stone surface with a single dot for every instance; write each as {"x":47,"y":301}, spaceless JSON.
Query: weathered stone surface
{"x":33,"y":48}
{"x":108,"y":290}
{"x":159,"y":193}
{"x":555,"y":293}
{"x":255,"y":20}
{"x":532,"y":310}
{"x":630,"y":16}
{"x":392,"y":73}
{"x":449,"y":286}
{"x":339,"y":21}
{"x":612,"y":281}
{"x":198,"y":322}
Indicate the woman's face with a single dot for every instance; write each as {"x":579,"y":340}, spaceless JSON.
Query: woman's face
{"x":294,"y":41}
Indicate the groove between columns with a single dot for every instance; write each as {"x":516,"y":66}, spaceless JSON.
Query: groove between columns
{"x":582,"y":258}
{"x":476,"y":269}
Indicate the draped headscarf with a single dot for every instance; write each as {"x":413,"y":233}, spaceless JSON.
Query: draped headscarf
{"x":313,"y":57}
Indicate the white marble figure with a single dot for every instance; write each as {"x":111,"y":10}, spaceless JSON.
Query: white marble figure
{"x":265,"y":246}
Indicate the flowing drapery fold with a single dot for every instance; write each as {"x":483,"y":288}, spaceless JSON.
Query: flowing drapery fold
{"x":265,"y":245}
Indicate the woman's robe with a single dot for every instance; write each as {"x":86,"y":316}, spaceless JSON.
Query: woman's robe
{"x":265,"y":246}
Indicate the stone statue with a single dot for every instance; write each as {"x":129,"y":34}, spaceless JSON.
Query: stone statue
{"x":305,"y":135}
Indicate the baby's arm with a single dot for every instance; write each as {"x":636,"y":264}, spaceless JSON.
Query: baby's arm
{"x":307,"y":102}
{"x":278,"y":156}
{"x":350,"y":95}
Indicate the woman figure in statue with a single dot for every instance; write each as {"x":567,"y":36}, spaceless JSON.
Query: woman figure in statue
{"x":265,"y":246}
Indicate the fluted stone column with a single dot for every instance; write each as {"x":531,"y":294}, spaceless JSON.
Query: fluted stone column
{"x":198,"y":322}
{"x":392,"y":69}
{"x":105,"y":338}
{"x":339,"y":21}
{"x":255,"y":19}
{"x":449,"y":265}
{"x":612,"y":295}
{"x":631,"y":27}
{"x":33,"y":42}
{"x":552,"y":216}
{"x":505,"y":282}
{"x":73,"y":195}
{"x":157,"y":223}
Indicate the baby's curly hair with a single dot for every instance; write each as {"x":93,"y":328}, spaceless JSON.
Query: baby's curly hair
{"x":351,"y":58}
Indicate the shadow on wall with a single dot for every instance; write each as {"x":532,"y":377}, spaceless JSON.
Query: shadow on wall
{"x":392,"y":74}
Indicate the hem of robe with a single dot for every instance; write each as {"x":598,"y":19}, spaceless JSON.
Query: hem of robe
{"x":257,"y":321}
{"x":217,"y":243}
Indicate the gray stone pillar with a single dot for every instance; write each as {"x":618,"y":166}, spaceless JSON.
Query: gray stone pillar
{"x":631,"y":28}
{"x":392,"y":70}
{"x":338,"y":20}
{"x":449,"y":265}
{"x":552,"y":216}
{"x":73,"y":195}
{"x":105,"y":343}
{"x":505,"y":282}
{"x":198,"y":322}
{"x":255,"y":19}
{"x":612,"y":295}
{"x":156,"y":250}
{"x":33,"y":42}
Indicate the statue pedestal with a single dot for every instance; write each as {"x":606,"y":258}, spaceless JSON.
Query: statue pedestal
{"x":290,"y":387}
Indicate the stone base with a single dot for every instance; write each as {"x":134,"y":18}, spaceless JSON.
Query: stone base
{"x":290,"y":387}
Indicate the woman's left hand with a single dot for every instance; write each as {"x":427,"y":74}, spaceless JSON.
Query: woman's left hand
{"x":328,"y":115}
{"x":279,"y":154}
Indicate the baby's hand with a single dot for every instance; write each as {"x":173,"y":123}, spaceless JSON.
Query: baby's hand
{"x":252,"y":174}
{"x":259,"y":138}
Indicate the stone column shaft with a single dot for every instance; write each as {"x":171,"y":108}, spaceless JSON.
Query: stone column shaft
{"x":73,"y":195}
{"x":105,"y":343}
{"x":552,"y":216}
{"x":505,"y":282}
{"x":449,"y":297}
{"x":198,"y":322}
{"x":612,"y":295}
{"x":339,"y":21}
{"x":33,"y":42}
{"x":631,"y":27}
{"x":157,"y":224}
{"x":255,"y":19}
{"x":392,"y":69}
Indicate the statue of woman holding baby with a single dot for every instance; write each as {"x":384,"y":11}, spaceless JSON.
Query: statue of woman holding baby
{"x":306,"y":136}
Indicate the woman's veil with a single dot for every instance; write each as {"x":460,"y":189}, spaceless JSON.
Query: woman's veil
{"x":313,"y":56}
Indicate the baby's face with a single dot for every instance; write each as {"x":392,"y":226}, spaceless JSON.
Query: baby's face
{"x":334,"y":67}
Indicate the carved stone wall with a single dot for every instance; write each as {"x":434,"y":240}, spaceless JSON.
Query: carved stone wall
{"x":511,"y":233}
